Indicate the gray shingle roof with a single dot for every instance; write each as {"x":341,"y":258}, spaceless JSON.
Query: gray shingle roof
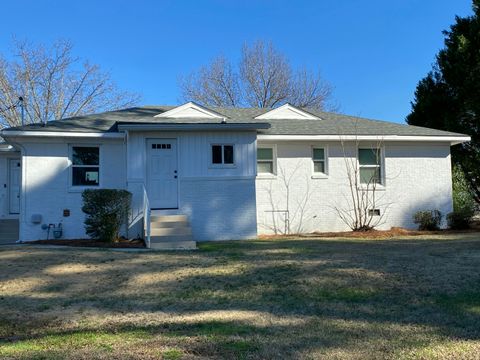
{"x":329,"y":123}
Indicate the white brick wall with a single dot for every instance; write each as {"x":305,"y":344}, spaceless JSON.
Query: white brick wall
{"x":234,"y":207}
{"x":417,"y":177}
{"x":46,"y":185}
{"x":219,"y":209}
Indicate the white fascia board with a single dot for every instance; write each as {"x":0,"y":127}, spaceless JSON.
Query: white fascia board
{"x":68,"y":134}
{"x":8,"y":148}
{"x":451,"y":139}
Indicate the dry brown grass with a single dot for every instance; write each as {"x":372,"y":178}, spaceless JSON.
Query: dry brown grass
{"x":412,"y":298}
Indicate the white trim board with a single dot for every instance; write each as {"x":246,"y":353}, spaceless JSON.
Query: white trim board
{"x":451,"y":139}
{"x":7,"y":134}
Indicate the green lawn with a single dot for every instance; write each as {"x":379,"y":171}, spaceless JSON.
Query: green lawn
{"x":300,"y":298}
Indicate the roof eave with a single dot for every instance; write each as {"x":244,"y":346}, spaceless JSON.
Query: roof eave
{"x":195,"y":127}
{"x":453,"y":140}
{"x":69,"y":134}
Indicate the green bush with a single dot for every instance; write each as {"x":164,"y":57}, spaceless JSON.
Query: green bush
{"x":107,"y":210}
{"x":463,"y":201}
{"x":458,"y":220}
{"x":428,"y":219}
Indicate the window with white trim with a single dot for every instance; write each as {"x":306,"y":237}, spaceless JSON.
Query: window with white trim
{"x":265,"y":160}
{"x":370,"y":163}
{"x":223,"y":154}
{"x":319,"y":160}
{"x":85,"y":165}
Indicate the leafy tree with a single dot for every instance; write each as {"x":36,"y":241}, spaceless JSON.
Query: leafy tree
{"x":54,"y":84}
{"x":264,"y":78}
{"x":462,"y":194}
{"x":463,"y":201}
{"x":448,"y":98}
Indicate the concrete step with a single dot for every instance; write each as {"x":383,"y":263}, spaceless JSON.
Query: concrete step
{"x":9,"y":230}
{"x":9,"y":236}
{"x":167,"y":231}
{"x":12,"y":222}
{"x":169,"y":224}
{"x":6,"y":232}
{"x":170,"y":238}
{"x":170,"y":232}
{"x":166,"y":212}
{"x":168,"y":218}
{"x":177,"y":245}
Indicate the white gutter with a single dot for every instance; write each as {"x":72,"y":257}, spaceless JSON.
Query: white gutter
{"x":451,"y":139}
{"x":35,"y":134}
{"x":8,"y":148}
{"x":15,"y":133}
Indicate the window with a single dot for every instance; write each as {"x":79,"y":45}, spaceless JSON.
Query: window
{"x":222,"y":154}
{"x":161,"y":146}
{"x":85,"y":165}
{"x":318,"y":157}
{"x":370,"y":161}
{"x":265,"y":161}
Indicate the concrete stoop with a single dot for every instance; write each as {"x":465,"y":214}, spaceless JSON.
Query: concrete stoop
{"x":9,"y":231}
{"x":171,"y":232}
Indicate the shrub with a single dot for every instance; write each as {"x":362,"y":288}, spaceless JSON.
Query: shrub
{"x":458,"y":220}
{"x":428,"y":219}
{"x":107,"y":210}
{"x":463,"y":201}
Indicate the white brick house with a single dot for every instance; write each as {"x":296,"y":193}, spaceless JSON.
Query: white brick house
{"x":228,"y":173}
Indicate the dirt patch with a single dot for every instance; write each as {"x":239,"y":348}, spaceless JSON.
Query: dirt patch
{"x":372,"y":234}
{"x":120,"y":243}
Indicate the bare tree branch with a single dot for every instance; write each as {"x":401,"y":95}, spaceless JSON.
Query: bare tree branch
{"x":265,"y":74}
{"x":308,"y":90}
{"x":215,"y":84}
{"x":358,"y":210}
{"x":54,"y":85}
{"x":264,"y":79}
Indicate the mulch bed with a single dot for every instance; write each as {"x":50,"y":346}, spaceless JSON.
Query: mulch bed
{"x":120,"y":243}
{"x":372,"y":234}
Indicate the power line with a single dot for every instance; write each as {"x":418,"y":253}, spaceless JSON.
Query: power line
{"x":20,"y":99}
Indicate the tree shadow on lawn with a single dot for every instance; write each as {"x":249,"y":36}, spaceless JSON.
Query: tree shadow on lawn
{"x":328,"y":286}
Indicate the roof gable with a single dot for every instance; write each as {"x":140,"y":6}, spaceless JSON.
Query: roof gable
{"x":287,"y":111}
{"x":190,"y":110}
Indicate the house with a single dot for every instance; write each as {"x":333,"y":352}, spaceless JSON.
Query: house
{"x":199,"y":173}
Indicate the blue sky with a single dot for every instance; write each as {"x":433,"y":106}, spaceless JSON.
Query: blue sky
{"x":373,"y":52}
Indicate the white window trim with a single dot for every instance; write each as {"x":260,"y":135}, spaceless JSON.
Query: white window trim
{"x":274,"y":160}
{"x":380,"y":186}
{"x":75,"y":188}
{"x":319,"y":175}
{"x":223,"y":165}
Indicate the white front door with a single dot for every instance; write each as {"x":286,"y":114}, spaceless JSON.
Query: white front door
{"x":162,"y":173}
{"x":14,"y":186}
